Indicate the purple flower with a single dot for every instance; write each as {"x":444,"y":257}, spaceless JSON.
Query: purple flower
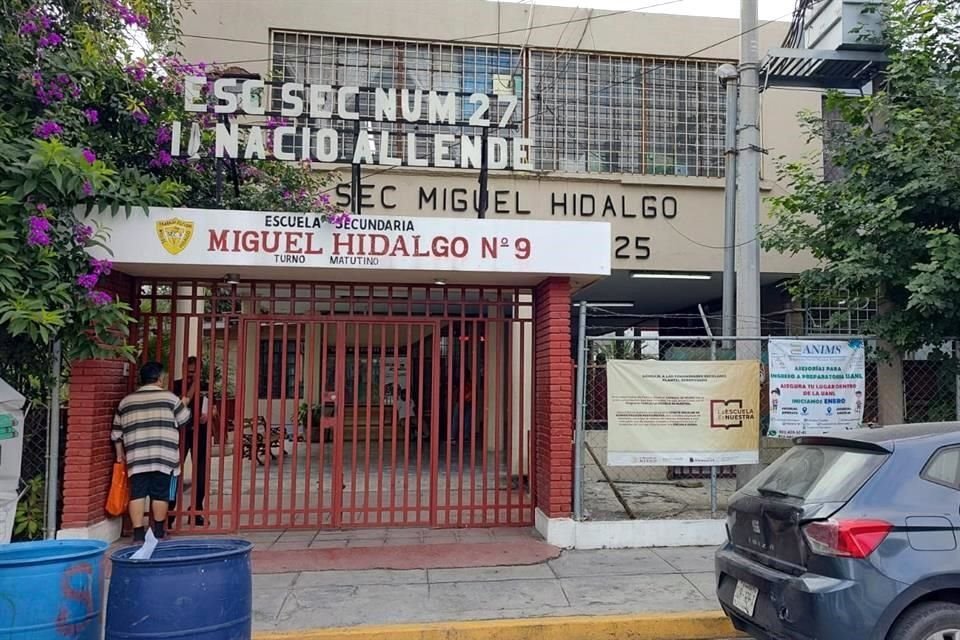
{"x":162,"y":159}
{"x":50,"y":41}
{"x":28,"y":28}
{"x":38,"y":233}
{"x":140,"y":117}
{"x":101,"y":267}
{"x":82,"y":234}
{"x":89,"y":156}
{"x":47,"y":129}
{"x":325,"y":198}
{"x":37,"y":78}
{"x":87,"y":188}
{"x":63,"y":78}
{"x":137,"y":71}
{"x":87,"y":280}
{"x":100,"y":298}
{"x":92,"y":115}
{"x":163,"y":135}
{"x":45,"y":22}
{"x":339,"y":218}
{"x":41,"y":207}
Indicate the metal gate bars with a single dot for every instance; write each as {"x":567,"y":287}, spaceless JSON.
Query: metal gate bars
{"x":334,"y":406}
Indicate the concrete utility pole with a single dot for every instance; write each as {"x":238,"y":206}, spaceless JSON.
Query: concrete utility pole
{"x":748,"y":211}
{"x":748,"y":165}
{"x":728,"y":76}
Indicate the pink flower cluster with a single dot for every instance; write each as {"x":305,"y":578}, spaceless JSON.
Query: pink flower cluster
{"x":137,"y":71}
{"x":100,"y":298}
{"x":35,"y":23}
{"x":98,"y":268}
{"x":38,"y":231}
{"x":162,"y":159}
{"x":82,"y":234}
{"x":129,"y":16}
{"x":48,"y":129}
{"x":56,"y":90}
{"x":339,"y":218}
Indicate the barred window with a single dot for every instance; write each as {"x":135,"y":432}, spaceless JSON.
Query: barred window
{"x":616,"y":114}
{"x":364,"y":62}
{"x":839,"y":314}
{"x":588,"y":112}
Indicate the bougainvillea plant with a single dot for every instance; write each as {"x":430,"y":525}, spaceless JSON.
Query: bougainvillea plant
{"x":86,"y":125}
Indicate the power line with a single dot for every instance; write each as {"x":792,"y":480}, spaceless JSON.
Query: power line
{"x":462,"y":39}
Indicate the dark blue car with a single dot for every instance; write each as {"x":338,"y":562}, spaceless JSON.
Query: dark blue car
{"x":850,"y":536}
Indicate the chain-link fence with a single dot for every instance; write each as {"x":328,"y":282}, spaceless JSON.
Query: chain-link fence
{"x":30,"y":522}
{"x":921,"y":387}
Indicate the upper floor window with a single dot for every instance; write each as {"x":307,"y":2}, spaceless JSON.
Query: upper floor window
{"x":585,"y":112}
{"x":617,"y":114}
{"x":361,"y":62}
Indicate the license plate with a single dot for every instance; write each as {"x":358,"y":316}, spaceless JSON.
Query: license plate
{"x":745,"y":597}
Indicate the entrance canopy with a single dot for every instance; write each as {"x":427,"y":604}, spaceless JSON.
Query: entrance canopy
{"x":300,"y":246}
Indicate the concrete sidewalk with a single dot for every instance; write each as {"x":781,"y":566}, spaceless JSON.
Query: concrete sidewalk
{"x":577,"y":583}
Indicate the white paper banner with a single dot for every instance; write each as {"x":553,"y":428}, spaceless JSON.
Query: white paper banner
{"x":816,"y":386}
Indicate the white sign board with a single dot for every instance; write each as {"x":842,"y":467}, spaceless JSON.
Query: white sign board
{"x":682,"y":413}
{"x":816,"y":386}
{"x":198,"y":237}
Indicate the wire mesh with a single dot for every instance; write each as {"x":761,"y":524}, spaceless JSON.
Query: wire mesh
{"x":920,"y":387}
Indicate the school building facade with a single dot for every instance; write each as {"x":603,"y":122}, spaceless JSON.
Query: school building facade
{"x":430,"y":386}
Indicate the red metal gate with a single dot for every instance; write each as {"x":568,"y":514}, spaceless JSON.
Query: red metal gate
{"x":347,"y":405}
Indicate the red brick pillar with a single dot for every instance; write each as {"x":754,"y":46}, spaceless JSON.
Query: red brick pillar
{"x":96,"y":388}
{"x":553,"y":398}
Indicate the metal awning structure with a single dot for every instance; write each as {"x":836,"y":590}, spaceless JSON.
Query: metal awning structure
{"x":820,"y":68}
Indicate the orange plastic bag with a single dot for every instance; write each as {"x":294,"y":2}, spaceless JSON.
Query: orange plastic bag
{"x":119,"y":496}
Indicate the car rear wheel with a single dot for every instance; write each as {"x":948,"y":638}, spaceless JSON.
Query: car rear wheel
{"x":928,"y":621}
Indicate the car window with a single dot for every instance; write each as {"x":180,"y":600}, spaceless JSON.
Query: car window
{"x":943,"y":467}
{"x":816,"y":474}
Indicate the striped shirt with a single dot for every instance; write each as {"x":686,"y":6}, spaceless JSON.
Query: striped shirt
{"x":148,"y":422}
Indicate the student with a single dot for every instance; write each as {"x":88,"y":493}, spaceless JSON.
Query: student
{"x":146,"y":435}
{"x":406,"y":413}
{"x":466,"y":409}
{"x":200,"y":426}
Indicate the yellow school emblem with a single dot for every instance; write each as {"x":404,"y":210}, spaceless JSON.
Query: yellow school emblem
{"x":175,"y":234}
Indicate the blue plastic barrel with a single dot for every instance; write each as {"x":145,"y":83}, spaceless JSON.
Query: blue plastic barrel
{"x":51,"y":589}
{"x":201,"y":589}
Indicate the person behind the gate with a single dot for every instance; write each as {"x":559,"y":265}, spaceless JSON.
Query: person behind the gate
{"x":146,"y":435}
{"x":201,"y":423}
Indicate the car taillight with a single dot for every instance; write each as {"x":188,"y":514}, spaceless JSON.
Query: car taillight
{"x":846,"y":538}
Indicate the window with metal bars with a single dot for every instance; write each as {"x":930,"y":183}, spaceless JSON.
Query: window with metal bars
{"x":620,"y":114}
{"x":590,"y":113}
{"x":364,"y":62}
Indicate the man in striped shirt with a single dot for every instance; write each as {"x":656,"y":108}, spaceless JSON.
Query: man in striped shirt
{"x":146,"y":435}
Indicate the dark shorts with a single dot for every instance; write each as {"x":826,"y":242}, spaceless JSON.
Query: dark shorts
{"x":152,"y":484}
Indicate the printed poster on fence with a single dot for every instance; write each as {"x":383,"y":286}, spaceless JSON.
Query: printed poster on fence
{"x":816,"y":386}
{"x":663,"y":413}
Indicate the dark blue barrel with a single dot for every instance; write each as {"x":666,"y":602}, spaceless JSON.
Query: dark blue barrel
{"x":51,"y":589}
{"x":201,"y":589}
